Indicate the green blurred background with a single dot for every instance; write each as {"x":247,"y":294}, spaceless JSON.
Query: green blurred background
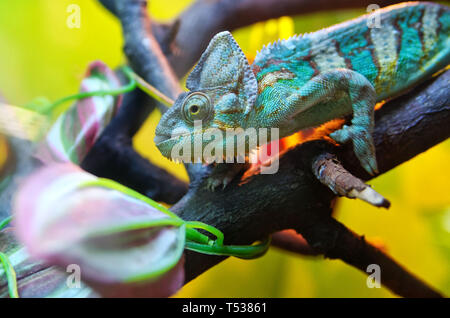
{"x":41,"y":56}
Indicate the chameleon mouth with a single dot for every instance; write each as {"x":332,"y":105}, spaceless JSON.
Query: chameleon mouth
{"x":165,"y":143}
{"x":165,"y":139}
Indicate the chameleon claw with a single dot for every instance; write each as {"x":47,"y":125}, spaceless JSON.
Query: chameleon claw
{"x":371,"y":167}
{"x":362,"y":145}
{"x":212,"y":184}
{"x":223,"y":174}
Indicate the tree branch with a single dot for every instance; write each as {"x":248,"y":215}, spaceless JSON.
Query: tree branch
{"x":142,"y":49}
{"x":113,"y":155}
{"x":292,"y":198}
{"x":291,"y":241}
{"x":338,"y":242}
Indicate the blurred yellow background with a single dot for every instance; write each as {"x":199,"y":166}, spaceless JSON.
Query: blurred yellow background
{"x":41,"y":56}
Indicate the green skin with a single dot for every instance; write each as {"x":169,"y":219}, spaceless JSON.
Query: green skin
{"x":308,"y":80}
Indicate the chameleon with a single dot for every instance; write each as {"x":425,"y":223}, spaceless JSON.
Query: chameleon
{"x":310,"y":79}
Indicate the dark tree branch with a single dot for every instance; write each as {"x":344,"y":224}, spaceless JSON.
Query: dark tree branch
{"x":292,"y":198}
{"x":113,"y":155}
{"x":291,"y":241}
{"x":336,"y":241}
{"x":142,"y":49}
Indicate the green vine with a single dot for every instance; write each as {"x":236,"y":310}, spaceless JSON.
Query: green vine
{"x":134,"y":81}
{"x":5,"y":222}
{"x":10,"y":276}
{"x":195,"y":240}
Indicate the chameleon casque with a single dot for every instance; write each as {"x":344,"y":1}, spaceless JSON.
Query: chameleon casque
{"x":313,"y":78}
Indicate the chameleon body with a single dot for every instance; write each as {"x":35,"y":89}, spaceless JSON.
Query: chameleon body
{"x":310,"y":79}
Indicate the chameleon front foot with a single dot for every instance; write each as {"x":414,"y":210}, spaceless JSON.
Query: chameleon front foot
{"x":223,"y":173}
{"x":362,"y":144}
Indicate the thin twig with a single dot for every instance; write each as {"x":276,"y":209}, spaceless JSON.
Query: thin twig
{"x":153,"y":91}
{"x":331,"y":173}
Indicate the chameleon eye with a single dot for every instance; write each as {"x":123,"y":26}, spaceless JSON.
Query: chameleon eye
{"x":196,"y":107}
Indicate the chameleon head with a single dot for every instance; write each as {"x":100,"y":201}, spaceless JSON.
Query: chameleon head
{"x":222,"y":92}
